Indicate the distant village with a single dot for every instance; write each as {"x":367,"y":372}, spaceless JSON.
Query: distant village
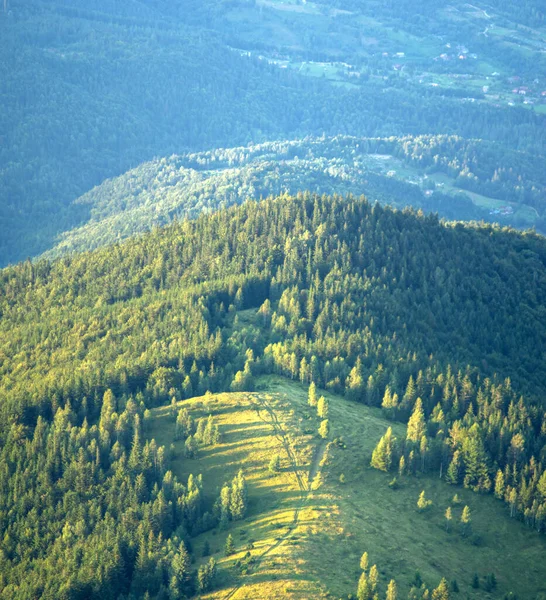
{"x":495,"y":89}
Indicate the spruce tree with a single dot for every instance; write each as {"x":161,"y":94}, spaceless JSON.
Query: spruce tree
{"x":416,"y":424}
{"x":453,"y":475}
{"x":238,"y":498}
{"x":190,"y":447}
{"x":324,"y":429}
{"x":391,"y":591}
{"x":229,"y":548}
{"x":181,"y":570}
{"x":390,"y":403}
{"x":541,"y":486}
{"x":382,"y":456}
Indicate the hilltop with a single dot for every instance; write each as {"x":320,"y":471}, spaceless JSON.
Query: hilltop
{"x":438,"y":325}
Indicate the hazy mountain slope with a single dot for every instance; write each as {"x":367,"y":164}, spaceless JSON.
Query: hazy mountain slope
{"x":432,"y":173}
{"x":91,"y":90}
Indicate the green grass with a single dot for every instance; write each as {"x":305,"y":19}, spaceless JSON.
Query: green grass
{"x":310,"y":537}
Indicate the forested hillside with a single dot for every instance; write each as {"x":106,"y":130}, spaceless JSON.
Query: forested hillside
{"x":90,"y":90}
{"x":459,"y":179}
{"x":440,"y":322}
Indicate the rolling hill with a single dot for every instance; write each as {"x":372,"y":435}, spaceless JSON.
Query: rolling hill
{"x":459,"y":179}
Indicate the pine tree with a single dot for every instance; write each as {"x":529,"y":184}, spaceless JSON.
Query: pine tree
{"x":364,"y":561}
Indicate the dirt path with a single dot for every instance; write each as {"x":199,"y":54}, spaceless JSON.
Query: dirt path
{"x":304,"y":486}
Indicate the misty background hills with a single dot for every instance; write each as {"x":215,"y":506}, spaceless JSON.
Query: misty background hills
{"x":91,"y":90}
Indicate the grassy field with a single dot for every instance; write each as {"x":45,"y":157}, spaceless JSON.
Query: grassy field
{"x":306,"y":530}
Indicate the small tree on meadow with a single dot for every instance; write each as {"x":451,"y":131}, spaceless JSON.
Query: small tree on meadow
{"x":230,"y":546}
{"x":422,"y":503}
{"x":312,"y":396}
{"x":322,"y":407}
{"x":275,"y":464}
{"x":383,"y":453}
{"x":324,"y":429}
{"x":466,"y":522}
{"x":448,"y":518}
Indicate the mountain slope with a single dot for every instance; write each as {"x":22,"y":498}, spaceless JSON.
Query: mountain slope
{"x":307,"y":541}
{"x":460,"y":179}
{"x":440,"y":322}
{"x":91,"y":90}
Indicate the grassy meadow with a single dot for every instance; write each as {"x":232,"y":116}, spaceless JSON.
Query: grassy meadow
{"x":308,"y":525}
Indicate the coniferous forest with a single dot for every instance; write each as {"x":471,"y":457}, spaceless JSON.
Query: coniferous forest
{"x":272,"y":300}
{"x":441,"y":325}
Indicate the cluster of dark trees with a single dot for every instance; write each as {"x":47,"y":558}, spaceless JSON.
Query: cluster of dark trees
{"x":354,"y":297}
{"x":90,"y":509}
{"x":474,"y":433}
